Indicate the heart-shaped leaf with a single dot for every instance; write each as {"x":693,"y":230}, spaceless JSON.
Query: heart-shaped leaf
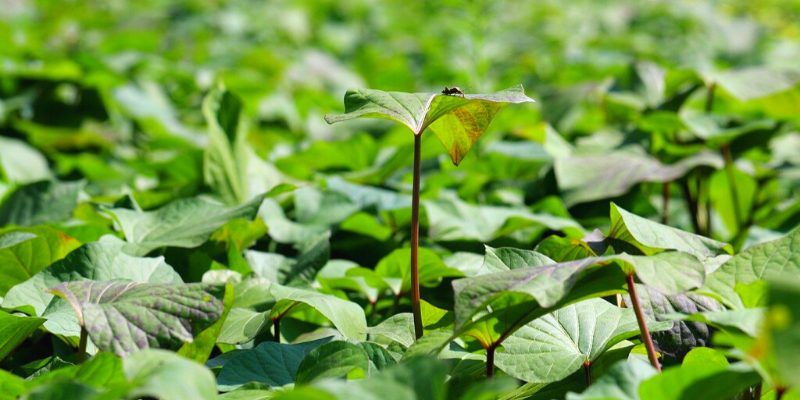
{"x":490,"y":307}
{"x":40,"y":203}
{"x":621,"y":382}
{"x":753,"y":265}
{"x":346,"y":316}
{"x":457,"y":120}
{"x":182,"y":223}
{"x":21,"y":259}
{"x":650,"y":237}
{"x":588,"y":177}
{"x":14,"y":329}
{"x":100,"y":261}
{"x":554,"y":346}
{"x":332,"y":360}
{"x":275,"y":364}
{"x":125,"y":316}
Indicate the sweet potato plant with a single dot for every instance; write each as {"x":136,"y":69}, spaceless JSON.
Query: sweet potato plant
{"x":178,"y":220}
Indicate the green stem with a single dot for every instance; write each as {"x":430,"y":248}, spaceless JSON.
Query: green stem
{"x":82,"y":345}
{"x":691,"y":203}
{"x":646,"y":338}
{"x":415,"y":294}
{"x":729,"y":170}
{"x":665,"y":203}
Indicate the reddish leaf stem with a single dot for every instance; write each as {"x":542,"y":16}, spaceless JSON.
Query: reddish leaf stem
{"x":490,"y":361}
{"x":587,"y":372}
{"x":646,"y":338}
{"x":415,"y":294}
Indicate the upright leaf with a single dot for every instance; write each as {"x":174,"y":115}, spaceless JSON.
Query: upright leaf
{"x":458,"y":121}
{"x":223,"y":171}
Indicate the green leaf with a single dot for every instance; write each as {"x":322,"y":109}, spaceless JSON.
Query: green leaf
{"x":12,"y":385}
{"x":556,"y":345}
{"x":223,"y":171}
{"x":754,"y":264}
{"x":396,"y":269}
{"x":454,"y":219}
{"x":22,"y":259}
{"x":200,"y":348}
{"x":705,"y":374}
{"x":21,"y":163}
{"x":40,"y":203}
{"x":755,"y":82}
{"x":621,"y":382}
{"x":167,"y":376}
{"x":332,"y":360}
{"x":746,"y":320}
{"x":178,"y":224}
{"x":346,"y":316}
{"x":125,"y":316}
{"x":456,"y":120}
{"x":683,"y":335}
{"x":491,"y":306}
{"x":100,"y":261}
{"x":588,"y":177}
{"x":650,"y":237}
{"x":275,"y":364}
{"x":242,"y":325}
{"x":14,"y":329}
{"x":508,"y":258}
{"x":783,"y":322}
{"x":398,"y":328}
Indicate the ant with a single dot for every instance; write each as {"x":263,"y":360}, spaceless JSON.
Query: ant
{"x":453,"y":91}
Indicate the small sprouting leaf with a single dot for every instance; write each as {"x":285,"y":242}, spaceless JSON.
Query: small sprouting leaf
{"x":457,"y":120}
{"x":125,"y":316}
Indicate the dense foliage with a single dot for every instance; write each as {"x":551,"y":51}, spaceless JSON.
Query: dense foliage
{"x":178,"y":220}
